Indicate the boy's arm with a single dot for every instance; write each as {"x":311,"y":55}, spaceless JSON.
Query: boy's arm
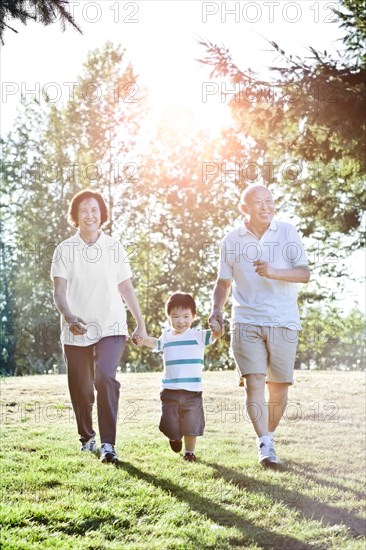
{"x":217,"y":333}
{"x":149,"y":342}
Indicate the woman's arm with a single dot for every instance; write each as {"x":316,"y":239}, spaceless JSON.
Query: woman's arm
{"x":76,"y":324}
{"x":127,"y":292}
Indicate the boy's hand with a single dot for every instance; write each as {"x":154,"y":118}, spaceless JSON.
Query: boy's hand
{"x":138,"y":335}
{"x":137,"y":340}
{"x":215,"y":326}
{"x":216,"y":320}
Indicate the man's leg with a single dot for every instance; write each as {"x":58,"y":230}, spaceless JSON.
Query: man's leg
{"x":256,"y":402}
{"x":277,"y":401}
{"x":257,"y":410}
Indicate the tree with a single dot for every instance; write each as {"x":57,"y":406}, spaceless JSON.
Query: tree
{"x":50,"y":154}
{"x":45,"y":11}
{"x":305,"y":129}
{"x":329,"y":341}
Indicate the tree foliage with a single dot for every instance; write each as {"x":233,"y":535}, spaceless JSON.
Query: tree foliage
{"x":306,"y":128}
{"x":169,"y":198}
{"x":329,"y":341}
{"x":44,"y":11}
{"x":50,"y":154}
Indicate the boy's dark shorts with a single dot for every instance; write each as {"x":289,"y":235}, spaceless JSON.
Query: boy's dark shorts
{"x":182,"y":413}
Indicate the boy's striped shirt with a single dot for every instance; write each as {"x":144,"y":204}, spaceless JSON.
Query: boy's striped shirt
{"x":183,"y":356}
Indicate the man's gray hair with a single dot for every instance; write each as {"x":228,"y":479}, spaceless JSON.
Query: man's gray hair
{"x":249,"y":189}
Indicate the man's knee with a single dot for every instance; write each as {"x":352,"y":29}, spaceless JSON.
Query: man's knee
{"x":278,"y":392}
{"x":255,"y":382}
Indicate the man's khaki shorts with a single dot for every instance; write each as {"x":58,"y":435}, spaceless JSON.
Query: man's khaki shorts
{"x":265,"y":350}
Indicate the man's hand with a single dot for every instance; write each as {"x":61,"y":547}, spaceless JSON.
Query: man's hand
{"x":216,"y":321}
{"x":264,"y":269}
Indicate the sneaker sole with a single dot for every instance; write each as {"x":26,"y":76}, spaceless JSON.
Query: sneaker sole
{"x":106,"y":460}
{"x":266,"y":463}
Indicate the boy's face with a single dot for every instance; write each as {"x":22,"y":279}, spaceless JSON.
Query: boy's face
{"x":181,"y":319}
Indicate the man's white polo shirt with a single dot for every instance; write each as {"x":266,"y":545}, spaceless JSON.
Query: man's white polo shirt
{"x":258,"y":300}
{"x":93,"y":273}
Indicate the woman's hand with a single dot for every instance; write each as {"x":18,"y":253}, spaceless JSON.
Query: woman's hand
{"x":139,"y":335}
{"x":76,"y":325}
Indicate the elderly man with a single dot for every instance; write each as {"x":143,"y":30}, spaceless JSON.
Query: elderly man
{"x":263,"y":260}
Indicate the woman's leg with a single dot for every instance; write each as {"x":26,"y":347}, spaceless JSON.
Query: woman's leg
{"x":108,"y":352}
{"x":80,"y":377}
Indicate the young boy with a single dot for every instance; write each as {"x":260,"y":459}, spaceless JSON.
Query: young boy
{"x":183,"y":351}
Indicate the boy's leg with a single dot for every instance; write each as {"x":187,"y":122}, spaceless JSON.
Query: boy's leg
{"x":108,"y":353}
{"x":192,"y":421}
{"x":170,"y":418}
{"x":190,"y":443}
{"x":80,"y":377}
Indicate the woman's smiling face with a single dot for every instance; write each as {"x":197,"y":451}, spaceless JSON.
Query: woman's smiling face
{"x":89,"y":216}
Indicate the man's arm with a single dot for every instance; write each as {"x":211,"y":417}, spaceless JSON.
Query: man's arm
{"x":299,"y":274}
{"x":219,"y":297}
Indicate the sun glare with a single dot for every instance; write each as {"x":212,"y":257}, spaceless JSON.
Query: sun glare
{"x":185,"y":113}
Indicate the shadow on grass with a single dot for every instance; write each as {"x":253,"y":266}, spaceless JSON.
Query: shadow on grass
{"x":219,"y":514}
{"x":309,"y":507}
{"x":310,"y":473}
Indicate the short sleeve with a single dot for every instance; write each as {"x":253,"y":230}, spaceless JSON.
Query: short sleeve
{"x":295,"y":251}
{"x":123,"y":265}
{"x":58,"y":264}
{"x":225,"y":269}
{"x":204,"y":337}
{"x":159,"y":344}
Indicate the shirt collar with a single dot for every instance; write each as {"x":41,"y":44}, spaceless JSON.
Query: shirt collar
{"x":243,"y":230}
{"x":78,"y":237}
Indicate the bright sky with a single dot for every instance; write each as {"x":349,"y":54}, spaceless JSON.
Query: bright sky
{"x":161,"y":42}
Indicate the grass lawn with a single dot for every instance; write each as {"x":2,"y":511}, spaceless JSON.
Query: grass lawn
{"x":53,"y":496}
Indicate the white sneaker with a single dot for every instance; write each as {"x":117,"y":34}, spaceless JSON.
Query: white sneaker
{"x":264,"y":454}
{"x":108,"y":454}
{"x":272,"y":452}
{"x":89,"y":446}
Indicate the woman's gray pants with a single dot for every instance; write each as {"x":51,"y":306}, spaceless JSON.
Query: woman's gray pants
{"x":90,"y":366}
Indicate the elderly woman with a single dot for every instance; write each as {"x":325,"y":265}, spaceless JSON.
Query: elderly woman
{"x":91,"y":276}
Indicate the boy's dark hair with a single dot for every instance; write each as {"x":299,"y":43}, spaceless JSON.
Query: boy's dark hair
{"x":182,"y":300}
{"x":78,"y":198}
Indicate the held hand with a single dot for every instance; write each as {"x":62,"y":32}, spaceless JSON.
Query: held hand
{"x":76,"y":325}
{"x":216,"y":321}
{"x":264,"y":269}
{"x":139,"y":335}
{"x":138,"y":341}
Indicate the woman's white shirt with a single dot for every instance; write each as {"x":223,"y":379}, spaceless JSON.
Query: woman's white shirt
{"x":93,"y":273}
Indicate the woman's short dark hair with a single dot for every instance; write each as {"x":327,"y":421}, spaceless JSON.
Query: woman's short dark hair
{"x":81,"y":196}
{"x":181,"y":300}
